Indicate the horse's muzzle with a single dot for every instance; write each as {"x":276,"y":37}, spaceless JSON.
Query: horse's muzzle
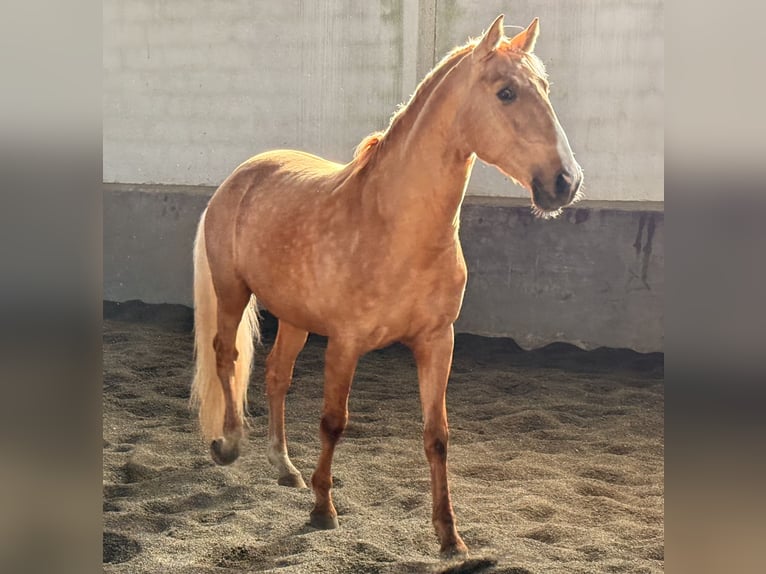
{"x":560,"y":194}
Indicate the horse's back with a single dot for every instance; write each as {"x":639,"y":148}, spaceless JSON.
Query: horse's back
{"x":278,"y":181}
{"x":278,"y":171}
{"x":287,"y":168}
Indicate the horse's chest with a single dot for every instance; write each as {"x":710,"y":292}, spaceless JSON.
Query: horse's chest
{"x":412,"y":296}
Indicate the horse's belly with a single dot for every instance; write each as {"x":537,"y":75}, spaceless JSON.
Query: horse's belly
{"x":345,"y":302}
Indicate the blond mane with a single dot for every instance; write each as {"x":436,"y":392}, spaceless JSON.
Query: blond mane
{"x":369,"y":144}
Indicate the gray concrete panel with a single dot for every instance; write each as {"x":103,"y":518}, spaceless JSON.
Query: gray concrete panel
{"x":594,"y":277}
{"x":148,"y":237}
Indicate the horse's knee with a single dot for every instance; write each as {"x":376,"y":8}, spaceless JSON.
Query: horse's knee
{"x":435,"y":443}
{"x":276,"y":382}
{"x":271,"y":364}
{"x":332,"y":426}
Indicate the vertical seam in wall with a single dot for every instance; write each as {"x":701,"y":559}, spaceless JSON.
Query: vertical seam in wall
{"x":426,"y":44}
{"x":433,"y":45}
{"x":409,"y":49}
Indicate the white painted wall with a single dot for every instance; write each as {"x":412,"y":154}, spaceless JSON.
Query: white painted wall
{"x":192,"y":87}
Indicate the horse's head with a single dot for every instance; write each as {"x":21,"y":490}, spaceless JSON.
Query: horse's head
{"x":508,"y":120}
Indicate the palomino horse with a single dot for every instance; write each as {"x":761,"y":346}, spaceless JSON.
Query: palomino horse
{"x":367,"y":253}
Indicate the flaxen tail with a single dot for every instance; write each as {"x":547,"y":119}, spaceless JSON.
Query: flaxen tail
{"x":207,"y":392}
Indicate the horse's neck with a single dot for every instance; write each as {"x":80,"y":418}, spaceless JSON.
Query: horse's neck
{"x":424,"y":170}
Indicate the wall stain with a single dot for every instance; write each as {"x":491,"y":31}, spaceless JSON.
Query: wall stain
{"x":640,"y":234}
{"x":647,"y":251}
{"x":581,"y":215}
{"x":644,"y":251}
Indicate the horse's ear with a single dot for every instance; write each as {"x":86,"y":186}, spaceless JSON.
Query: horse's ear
{"x":525,"y":41}
{"x":491,"y":38}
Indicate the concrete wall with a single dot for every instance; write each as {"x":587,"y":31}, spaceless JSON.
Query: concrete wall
{"x":594,"y":277}
{"x":192,"y":88}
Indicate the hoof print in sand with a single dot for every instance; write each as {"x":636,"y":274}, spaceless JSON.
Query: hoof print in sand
{"x":593,"y":553}
{"x":605,"y":475}
{"x":136,"y":472}
{"x":371,"y":552}
{"x":119,"y":548}
{"x":110,"y":507}
{"x":471,"y":566}
{"x":243,"y":557}
{"x":537,"y":511}
{"x":412,"y":502}
{"x":262,"y":557}
{"x":545,"y":535}
{"x":591,"y":489}
{"x":215,"y":517}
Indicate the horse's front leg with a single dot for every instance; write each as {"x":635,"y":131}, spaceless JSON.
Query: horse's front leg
{"x":433,"y":354}
{"x":340,"y":363}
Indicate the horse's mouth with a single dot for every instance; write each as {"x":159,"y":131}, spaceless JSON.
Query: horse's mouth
{"x":544,"y":207}
{"x":541,"y":213}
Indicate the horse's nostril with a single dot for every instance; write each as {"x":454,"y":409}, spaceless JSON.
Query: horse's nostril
{"x":563,"y":184}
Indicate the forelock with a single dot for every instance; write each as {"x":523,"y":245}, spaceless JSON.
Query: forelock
{"x":534,"y":65}
{"x":530,"y":62}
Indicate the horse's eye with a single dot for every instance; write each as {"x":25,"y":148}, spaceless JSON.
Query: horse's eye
{"x":506,"y":95}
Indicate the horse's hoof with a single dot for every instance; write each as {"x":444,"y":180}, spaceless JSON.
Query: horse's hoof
{"x":291,"y":480}
{"x":454,"y":549}
{"x":323,"y":521}
{"x":224,"y":451}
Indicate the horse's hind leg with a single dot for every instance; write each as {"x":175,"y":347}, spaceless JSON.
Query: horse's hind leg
{"x":340,"y":364}
{"x":232,"y":300}
{"x":433,"y":355}
{"x":279,"y":372}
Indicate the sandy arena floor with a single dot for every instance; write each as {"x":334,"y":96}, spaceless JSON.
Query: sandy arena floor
{"x":555,"y":461}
